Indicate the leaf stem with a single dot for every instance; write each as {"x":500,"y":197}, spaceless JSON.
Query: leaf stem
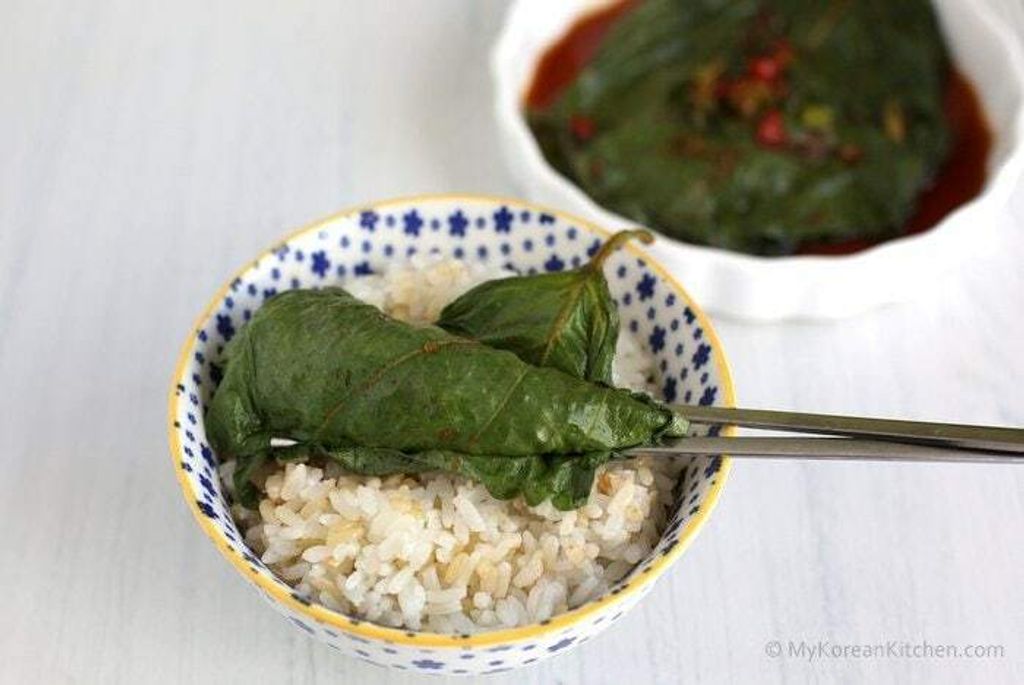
{"x":617,"y":241}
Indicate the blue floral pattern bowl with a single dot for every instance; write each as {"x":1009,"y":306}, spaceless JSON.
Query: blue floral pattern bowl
{"x":529,"y":239}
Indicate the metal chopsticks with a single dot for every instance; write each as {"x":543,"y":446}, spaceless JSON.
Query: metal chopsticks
{"x":859,"y":438}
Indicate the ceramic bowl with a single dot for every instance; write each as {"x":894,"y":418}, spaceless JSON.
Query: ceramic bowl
{"x":654,"y":308}
{"x":765,"y":288}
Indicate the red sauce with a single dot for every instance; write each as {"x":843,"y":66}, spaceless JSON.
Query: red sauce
{"x":961,"y":178}
{"x":561,"y":63}
{"x":963,"y":174}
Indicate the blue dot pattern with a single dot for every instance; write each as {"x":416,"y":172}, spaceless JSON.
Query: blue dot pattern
{"x":365,"y":242}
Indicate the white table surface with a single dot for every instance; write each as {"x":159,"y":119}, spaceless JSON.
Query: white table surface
{"x":147,"y":149}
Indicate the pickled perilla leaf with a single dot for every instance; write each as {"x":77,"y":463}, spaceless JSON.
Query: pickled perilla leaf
{"x":565,"y":480}
{"x":759,"y":126}
{"x":339,"y":377}
{"x":566,"y":320}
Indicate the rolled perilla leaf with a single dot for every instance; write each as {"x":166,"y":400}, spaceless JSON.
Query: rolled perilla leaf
{"x":566,"y":321}
{"x":565,"y":480}
{"x":329,"y":371}
{"x":245,"y":470}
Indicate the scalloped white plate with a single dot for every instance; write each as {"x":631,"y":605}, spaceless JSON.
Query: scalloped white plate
{"x":812,"y":287}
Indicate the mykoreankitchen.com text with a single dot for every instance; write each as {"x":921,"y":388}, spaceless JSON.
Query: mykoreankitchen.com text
{"x":817,"y":650}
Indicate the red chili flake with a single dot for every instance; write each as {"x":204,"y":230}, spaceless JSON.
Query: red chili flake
{"x":582,"y":127}
{"x":771,"y":129}
{"x":723,"y":87}
{"x":850,"y":153}
{"x":765,"y":69}
{"x":783,"y":53}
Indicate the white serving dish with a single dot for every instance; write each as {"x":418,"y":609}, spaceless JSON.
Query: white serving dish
{"x":809,"y":287}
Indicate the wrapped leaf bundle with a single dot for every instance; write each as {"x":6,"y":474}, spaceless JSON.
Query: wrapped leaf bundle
{"x":567,"y":320}
{"x":345,"y":381}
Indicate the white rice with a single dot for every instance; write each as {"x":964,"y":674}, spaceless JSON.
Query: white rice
{"x":436,"y":552}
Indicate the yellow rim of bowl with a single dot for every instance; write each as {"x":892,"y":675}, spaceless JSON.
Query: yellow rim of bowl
{"x":366,"y":629}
